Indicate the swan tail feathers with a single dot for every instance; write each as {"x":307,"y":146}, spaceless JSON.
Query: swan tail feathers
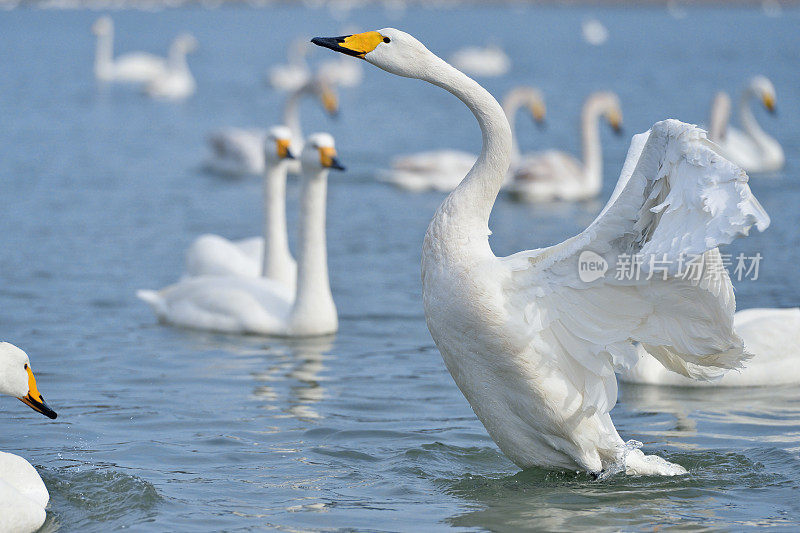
{"x":154,"y":300}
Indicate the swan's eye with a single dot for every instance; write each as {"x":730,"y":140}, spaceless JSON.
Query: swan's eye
{"x":387,"y":40}
{"x":26,"y":366}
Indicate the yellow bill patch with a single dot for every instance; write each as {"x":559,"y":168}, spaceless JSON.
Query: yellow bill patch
{"x":769,"y":101}
{"x":362,"y":43}
{"x":326,"y":155}
{"x":283,"y":147}
{"x":329,"y":100}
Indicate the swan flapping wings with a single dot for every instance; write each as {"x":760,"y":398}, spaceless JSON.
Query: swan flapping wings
{"x":646,"y":270}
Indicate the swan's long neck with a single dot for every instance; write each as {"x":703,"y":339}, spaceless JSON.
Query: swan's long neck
{"x":464,"y":215}
{"x":749,"y":121}
{"x":720,"y":116}
{"x":592,"y":153}
{"x":313,"y":300}
{"x":277,"y":260}
{"x":511,"y":105}
{"x":291,"y":117}
{"x":177,"y":58}
{"x":104,"y":53}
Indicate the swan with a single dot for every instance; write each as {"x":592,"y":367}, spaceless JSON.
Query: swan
{"x":262,"y":306}
{"x":240,"y":151}
{"x":23,"y":495}
{"x":487,"y":61}
{"x":533,"y":347}
{"x":175,"y":82}
{"x":443,"y":170}
{"x":552,"y":174}
{"x":594,"y":32}
{"x":751,"y":149}
{"x":136,"y":67}
{"x":294,"y":74}
{"x":215,"y":255}
{"x":771,"y":335}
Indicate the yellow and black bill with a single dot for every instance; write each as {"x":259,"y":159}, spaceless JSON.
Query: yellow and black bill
{"x":357,"y":45}
{"x":34,"y":399}
{"x":283,"y":149}
{"x":327,"y":157}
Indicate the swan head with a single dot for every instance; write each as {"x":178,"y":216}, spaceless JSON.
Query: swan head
{"x":761,"y":87}
{"x":185,"y":43}
{"x":605,"y":104}
{"x":319,"y":153}
{"x":390,"y":49}
{"x":16,"y":379}
{"x":277,"y":144}
{"x":102,"y":26}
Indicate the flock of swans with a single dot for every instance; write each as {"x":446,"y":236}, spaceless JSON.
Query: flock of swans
{"x":533,"y":348}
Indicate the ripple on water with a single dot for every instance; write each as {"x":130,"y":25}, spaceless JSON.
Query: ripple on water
{"x":79,"y":498}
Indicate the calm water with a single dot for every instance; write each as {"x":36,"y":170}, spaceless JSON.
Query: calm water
{"x":164,"y":429}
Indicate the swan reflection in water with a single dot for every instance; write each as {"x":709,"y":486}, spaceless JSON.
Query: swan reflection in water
{"x":300,"y":363}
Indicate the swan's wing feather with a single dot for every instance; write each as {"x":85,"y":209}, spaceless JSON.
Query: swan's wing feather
{"x":677,"y":200}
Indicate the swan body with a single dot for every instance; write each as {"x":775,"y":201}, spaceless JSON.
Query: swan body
{"x":771,"y":335}
{"x":555,"y":175}
{"x":533,"y":347}
{"x":750,"y":148}
{"x":175,"y":82}
{"x":137,"y":67}
{"x":487,"y":61}
{"x":212,"y":255}
{"x":240,"y":151}
{"x":295,"y":73}
{"x":443,"y":170}
{"x":262,"y":306}
{"x":23,"y":495}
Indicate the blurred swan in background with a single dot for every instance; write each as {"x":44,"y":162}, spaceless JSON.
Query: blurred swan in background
{"x":212,"y":255}
{"x":135,"y":67}
{"x":771,"y":335}
{"x":487,"y":61}
{"x":594,"y":32}
{"x":232,"y":304}
{"x":240,"y":151}
{"x":532,"y":345}
{"x":295,"y":73}
{"x":23,"y":495}
{"x":751,"y":149}
{"x":341,"y":72}
{"x":175,"y":82}
{"x":555,"y":175}
{"x":443,"y":170}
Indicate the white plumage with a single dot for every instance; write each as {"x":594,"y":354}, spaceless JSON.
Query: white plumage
{"x":135,"y":67}
{"x":175,"y":82}
{"x":532,"y":347}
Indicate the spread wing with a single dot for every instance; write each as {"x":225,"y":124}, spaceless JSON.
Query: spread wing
{"x":664,"y":284}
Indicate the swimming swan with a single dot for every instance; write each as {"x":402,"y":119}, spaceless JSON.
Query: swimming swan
{"x":751,"y":149}
{"x":175,"y":82}
{"x":532,"y":346}
{"x":212,"y":255}
{"x":488,"y":61}
{"x":137,"y":67}
{"x":23,"y":495}
{"x":258,"y":305}
{"x":443,"y":170}
{"x":771,"y":335}
{"x":240,"y":151}
{"x":295,"y":73}
{"x":555,"y":175}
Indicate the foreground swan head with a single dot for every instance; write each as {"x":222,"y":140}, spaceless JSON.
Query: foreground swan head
{"x":17,"y":379}
{"x":277,"y":145}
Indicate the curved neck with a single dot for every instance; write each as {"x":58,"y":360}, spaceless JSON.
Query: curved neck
{"x":277,"y":261}
{"x":465,"y":213}
{"x":511,"y":105}
{"x":749,"y":121}
{"x":592,"y":153}
{"x":720,"y":117}
{"x":313,"y":292}
{"x":177,"y":58}
{"x":104,"y":52}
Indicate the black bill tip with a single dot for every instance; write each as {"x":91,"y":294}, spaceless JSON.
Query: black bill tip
{"x":334,"y":43}
{"x":336,"y":165}
{"x":39,"y":406}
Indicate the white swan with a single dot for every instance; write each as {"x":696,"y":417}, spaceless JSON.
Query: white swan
{"x":533,"y":347}
{"x":771,"y":335}
{"x":751,"y":149}
{"x":258,"y":305}
{"x":487,"y":61}
{"x":555,"y":175}
{"x":23,"y":495}
{"x":240,"y":151}
{"x":175,"y":82}
{"x":136,"y":67}
{"x":295,"y":73}
{"x":594,"y":32}
{"x":212,"y":255}
{"x":443,"y":170}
